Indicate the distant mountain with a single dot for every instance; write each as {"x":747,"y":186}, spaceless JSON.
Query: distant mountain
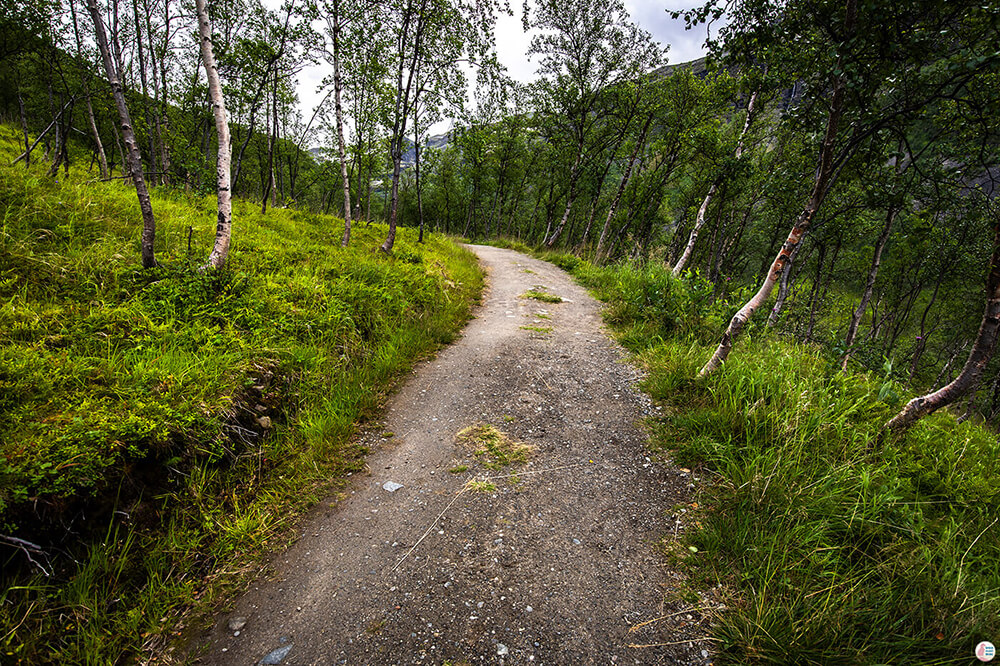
{"x":698,"y":67}
{"x":435,"y":142}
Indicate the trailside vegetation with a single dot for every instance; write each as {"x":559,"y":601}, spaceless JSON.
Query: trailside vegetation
{"x":163,"y":425}
{"x":828,"y":548}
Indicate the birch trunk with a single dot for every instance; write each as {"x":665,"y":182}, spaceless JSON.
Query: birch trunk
{"x":132,"y":156}
{"x":570,"y":198}
{"x":979,"y":357}
{"x":621,"y":188}
{"x":102,"y":159}
{"x":699,"y":221}
{"x":866,"y":295}
{"x":339,"y":110}
{"x":824,"y":173}
{"x":223,"y":228}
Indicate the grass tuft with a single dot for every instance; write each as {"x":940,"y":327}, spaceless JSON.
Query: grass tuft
{"x":492,"y":447}
{"x":480,"y":486}
{"x":539,"y":294}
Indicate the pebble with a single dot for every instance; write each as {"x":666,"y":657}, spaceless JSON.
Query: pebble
{"x":502,"y":650}
{"x":392,"y":486}
{"x":237,"y":623}
{"x":275,"y":656}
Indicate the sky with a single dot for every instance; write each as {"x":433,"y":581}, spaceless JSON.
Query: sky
{"x":512,"y":45}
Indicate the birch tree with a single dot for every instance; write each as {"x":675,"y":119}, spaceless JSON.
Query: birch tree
{"x":223,"y":228}
{"x":753,"y":111}
{"x":861,"y":97}
{"x":132,"y":155}
{"x":584,"y":48}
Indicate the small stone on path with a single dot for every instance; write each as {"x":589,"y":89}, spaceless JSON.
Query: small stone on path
{"x":392,"y":486}
{"x":275,"y":656}
{"x":501,"y":650}
{"x":237,"y":623}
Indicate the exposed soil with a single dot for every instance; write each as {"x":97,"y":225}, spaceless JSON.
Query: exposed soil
{"x":560,"y":564}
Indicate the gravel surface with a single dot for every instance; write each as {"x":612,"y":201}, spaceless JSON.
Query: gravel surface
{"x":561,"y":563}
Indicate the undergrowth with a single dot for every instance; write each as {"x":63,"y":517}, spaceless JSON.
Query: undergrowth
{"x":162,"y":428}
{"x":831,"y":547}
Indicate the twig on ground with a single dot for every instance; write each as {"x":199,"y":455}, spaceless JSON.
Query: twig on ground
{"x":665,"y":617}
{"x":29,"y":549}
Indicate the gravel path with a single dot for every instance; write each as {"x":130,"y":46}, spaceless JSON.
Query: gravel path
{"x":556,"y":565}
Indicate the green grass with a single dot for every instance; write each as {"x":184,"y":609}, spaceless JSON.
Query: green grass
{"x":830,"y":548}
{"x":492,"y":447}
{"x":539,"y":294}
{"x":835,"y":549}
{"x":480,"y":486}
{"x":165,"y":427}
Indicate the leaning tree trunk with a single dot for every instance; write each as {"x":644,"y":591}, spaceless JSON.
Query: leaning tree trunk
{"x":784,"y":287}
{"x":132,"y":156}
{"x":223,"y":228}
{"x":979,"y":357}
{"x":699,"y":221}
{"x":866,"y":295}
{"x":570,"y":197}
{"x":640,"y":142}
{"x":821,"y":186}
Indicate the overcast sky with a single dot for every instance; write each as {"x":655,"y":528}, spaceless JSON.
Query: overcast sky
{"x":512,"y":44}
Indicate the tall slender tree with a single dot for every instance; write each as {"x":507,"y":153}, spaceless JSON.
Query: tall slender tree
{"x":132,"y":154}
{"x":223,"y":227}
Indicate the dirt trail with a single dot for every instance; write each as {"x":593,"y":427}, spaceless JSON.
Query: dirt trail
{"x":553,"y":567}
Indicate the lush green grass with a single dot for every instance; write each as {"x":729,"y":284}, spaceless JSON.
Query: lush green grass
{"x":178,"y":419}
{"x":830,"y":547}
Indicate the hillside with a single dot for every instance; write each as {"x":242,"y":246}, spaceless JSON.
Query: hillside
{"x":174,"y":418}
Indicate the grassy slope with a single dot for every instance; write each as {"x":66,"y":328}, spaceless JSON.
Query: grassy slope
{"x":178,"y":419}
{"x":832,"y":549}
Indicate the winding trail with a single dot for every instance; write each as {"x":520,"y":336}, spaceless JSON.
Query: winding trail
{"x":560,"y":565}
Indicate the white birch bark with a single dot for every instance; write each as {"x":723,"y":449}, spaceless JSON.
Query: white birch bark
{"x":223,"y":229}
{"x":699,"y":221}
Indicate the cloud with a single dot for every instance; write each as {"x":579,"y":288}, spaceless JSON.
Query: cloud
{"x":685,"y":45}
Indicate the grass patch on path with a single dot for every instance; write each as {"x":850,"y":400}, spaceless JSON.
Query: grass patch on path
{"x":539,"y":294}
{"x":492,"y":447}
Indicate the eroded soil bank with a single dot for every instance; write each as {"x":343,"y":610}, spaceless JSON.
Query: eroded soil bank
{"x":553,"y":561}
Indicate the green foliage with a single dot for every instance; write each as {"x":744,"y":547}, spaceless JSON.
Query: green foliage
{"x":180,"y":417}
{"x":647,"y":302}
{"x":831,"y":547}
